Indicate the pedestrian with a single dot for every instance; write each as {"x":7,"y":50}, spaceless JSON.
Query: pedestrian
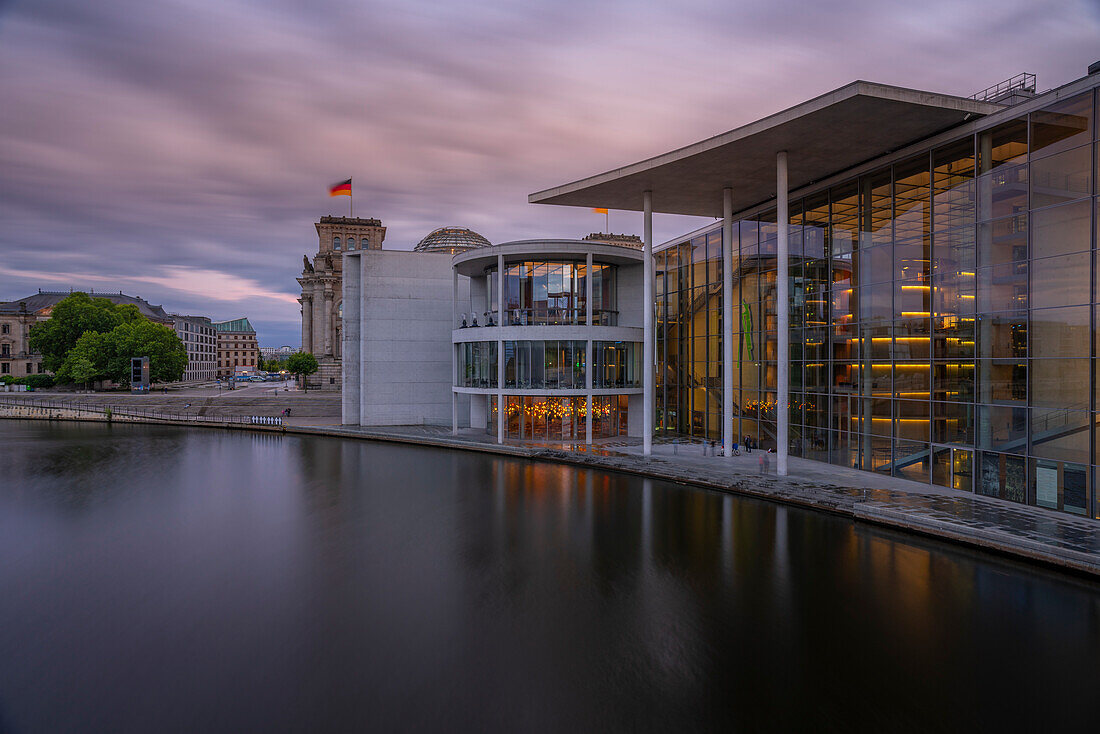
{"x":748,"y":446}
{"x":288,"y":412}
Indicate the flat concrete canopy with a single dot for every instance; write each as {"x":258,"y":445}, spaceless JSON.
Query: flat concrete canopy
{"x":823,"y":136}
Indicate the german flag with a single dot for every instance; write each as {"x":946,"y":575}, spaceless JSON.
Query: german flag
{"x":341,"y":189}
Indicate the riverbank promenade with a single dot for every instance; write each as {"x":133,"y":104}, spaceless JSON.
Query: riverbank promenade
{"x":1035,"y":534}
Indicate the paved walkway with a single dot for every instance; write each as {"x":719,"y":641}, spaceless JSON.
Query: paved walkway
{"x":1035,"y":533}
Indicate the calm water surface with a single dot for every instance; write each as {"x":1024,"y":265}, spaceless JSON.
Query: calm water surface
{"x":160,"y":579}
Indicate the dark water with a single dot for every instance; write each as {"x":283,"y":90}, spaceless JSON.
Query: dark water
{"x":157,"y":579}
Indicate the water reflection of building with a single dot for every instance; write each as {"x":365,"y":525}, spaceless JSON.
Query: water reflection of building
{"x":940,"y":297}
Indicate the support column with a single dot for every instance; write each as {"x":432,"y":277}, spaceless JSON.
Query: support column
{"x":647,"y":326}
{"x":454,"y":395}
{"x":500,"y":297}
{"x":727,"y":322}
{"x":589,"y":365}
{"x":327,"y":311}
{"x":307,"y":319}
{"x":349,"y":366}
{"x":782,"y":307}
{"x":318,"y":319}
{"x":500,"y":348}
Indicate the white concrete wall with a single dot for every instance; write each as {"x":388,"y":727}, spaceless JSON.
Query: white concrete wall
{"x":629,"y":295}
{"x":635,"y":419}
{"x":350,"y":366}
{"x":479,"y":410}
{"x":405,"y":351}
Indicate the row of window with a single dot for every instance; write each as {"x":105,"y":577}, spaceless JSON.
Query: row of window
{"x":338,"y":245}
{"x":551,"y":364}
{"x":6,"y":368}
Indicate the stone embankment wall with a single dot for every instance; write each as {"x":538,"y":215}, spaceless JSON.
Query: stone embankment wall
{"x":301,"y":406}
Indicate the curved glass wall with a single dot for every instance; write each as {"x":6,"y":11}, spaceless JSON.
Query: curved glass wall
{"x":617,"y":364}
{"x":551,"y":364}
{"x":477,"y":364}
{"x":943,"y":310}
{"x":559,"y":419}
{"x":554,"y":292}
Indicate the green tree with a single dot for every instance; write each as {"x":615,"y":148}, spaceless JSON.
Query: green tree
{"x":70,"y":319}
{"x":302,"y":364}
{"x":82,"y":370}
{"x":143,"y":338}
{"x":86,"y":361}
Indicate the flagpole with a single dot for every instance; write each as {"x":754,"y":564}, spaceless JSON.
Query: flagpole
{"x":351,"y":201}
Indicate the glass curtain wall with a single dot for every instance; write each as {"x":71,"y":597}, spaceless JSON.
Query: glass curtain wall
{"x":542,"y":418}
{"x":553,"y":364}
{"x":943,"y":317}
{"x":617,"y":364}
{"x":555,"y":293}
{"x":478,"y":364}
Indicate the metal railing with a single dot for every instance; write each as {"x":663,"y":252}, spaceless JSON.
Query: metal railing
{"x":1025,"y":82}
{"x":132,"y":413}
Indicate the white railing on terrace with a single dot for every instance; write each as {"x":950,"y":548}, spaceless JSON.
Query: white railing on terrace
{"x":1025,"y":82}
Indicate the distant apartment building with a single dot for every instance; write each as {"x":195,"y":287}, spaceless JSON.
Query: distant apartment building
{"x":200,"y":338}
{"x":18,"y":316}
{"x":238,"y":350}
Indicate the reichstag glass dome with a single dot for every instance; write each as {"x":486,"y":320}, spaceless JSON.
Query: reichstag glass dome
{"x":451,"y":240}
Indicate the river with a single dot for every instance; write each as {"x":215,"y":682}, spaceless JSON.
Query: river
{"x":176,"y":579}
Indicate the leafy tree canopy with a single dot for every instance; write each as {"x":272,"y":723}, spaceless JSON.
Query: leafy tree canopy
{"x":302,"y":363}
{"x":70,"y":319}
{"x":88,"y":339}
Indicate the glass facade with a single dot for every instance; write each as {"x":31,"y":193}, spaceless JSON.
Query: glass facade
{"x":554,"y":293}
{"x":553,"y":364}
{"x":943,"y":312}
{"x":617,"y":364}
{"x":477,"y":364}
{"x":558,"y":418}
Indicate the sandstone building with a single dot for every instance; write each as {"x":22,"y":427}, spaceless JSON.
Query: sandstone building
{"x":238,"y":350}
{"x":322,"y":290}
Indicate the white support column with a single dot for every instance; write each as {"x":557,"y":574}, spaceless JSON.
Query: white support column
{"x":782,"y":307}
{"x":727,"y":322}
{"x":454,"y":381}
{"x":589,"y":366}
{"x":349,"y":366}
{"x":648,"y":341}
{"x":500,"y":296}
{"x":500,"y":349}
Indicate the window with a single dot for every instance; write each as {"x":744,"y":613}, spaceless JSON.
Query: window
{"x":336,"y":243}
{"x":5,"y":368}
{"x":5,"y":329}
{"x":5,"y":350}
{"x":351,"y":243}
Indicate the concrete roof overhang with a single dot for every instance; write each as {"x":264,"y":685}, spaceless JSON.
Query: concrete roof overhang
{"x":472,"y":263}
{"x":823,"y":136}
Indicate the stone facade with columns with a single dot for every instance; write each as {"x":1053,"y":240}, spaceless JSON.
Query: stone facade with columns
{"x":322,"y":290}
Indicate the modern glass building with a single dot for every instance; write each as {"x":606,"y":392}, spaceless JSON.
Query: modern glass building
{"x":941,"y":302}
{"x":552,"y":351}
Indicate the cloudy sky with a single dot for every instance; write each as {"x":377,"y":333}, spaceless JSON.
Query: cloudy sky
{"x":181,"y":150}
